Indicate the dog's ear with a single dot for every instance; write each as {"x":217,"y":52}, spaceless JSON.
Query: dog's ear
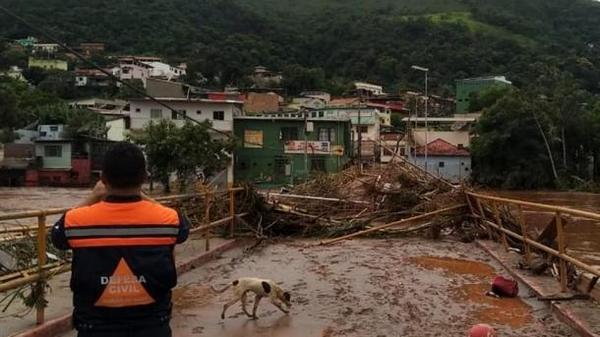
{"x":266,"y":287}
{"x":287,"y":296}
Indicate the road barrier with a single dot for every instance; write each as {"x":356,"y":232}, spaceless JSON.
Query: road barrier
{"x":39,"y":274}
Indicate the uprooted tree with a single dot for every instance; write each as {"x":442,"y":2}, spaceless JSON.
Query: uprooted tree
{"x":190,"y":152}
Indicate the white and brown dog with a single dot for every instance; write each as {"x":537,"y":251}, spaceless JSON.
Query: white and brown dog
{"x":261,"y":288}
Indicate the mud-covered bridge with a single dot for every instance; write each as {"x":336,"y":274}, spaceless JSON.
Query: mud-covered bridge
{"x":342,"y":283}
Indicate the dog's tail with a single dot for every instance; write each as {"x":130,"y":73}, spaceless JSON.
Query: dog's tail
{"x":222,"y":290}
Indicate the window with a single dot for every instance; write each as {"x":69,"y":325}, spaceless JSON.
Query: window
{"x":219,"y":115}
{"x":363,"y":129}
{"x":321,"y":113}
{"x":327,"y":135}
{"x":317,"y":165}
{"x":279,"y":167}
{"x":313,"y":114}
{"x":460,"y":146}
{"x":156,"y":113}
{"x":125,"y":70}
{"x":289,"y":134}
{"x":441,"y":164}
{"x":179,"y":114}
{"x":54,"y":128}
{"x":54,"y":151}
{"x":198,"y":112}
{"x":43,"y":133}
{"x":138,"y":110}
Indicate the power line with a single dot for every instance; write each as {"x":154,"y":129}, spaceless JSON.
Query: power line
{"x":94,"y":65}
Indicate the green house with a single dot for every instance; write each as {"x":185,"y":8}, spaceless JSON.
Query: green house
{"x":468,"y":86}
{"x":48,"y":64}
{"x":275,"y":151}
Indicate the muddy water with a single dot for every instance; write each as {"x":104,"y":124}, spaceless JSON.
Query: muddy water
{"x":26,"y":199}
{"x":583,"y":235}
{"x":407,"y":287}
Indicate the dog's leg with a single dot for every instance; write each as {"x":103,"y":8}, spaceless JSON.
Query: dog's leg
{"x":244,"y":303}
{"x":227,"y":305}
{"x":276,"y":303}
{"x":257,"y":299}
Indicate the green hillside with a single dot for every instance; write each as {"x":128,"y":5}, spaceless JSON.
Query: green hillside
{"x":336,"y":41}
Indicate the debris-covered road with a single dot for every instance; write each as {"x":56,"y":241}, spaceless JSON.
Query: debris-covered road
{"x":396,"y":287}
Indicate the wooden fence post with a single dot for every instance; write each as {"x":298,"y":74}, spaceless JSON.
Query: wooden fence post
{"x":562,"y":250}
{"x":499,"y":223}
{"x":483,"y":219}
{"x":208,"y":203}
{"x":524,"y":229}
{"x":231,"y":210}
{"x":41,"y":250}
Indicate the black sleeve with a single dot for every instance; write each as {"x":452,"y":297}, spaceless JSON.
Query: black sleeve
{"x":58,"y":236}
{"x":184,"y":228}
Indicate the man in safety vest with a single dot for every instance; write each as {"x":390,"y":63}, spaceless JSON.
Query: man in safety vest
{"x":123,"y":243}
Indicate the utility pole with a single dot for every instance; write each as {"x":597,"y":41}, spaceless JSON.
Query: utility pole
{"x":305,"y":141}
{"x":359,"y":129}
{"x":426,"y":71}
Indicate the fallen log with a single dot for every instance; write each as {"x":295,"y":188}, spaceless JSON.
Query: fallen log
{"x":310,"y":197}
{"x":395,"y":223}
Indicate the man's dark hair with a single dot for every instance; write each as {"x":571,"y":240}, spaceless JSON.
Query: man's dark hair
{"x":124,"y":166}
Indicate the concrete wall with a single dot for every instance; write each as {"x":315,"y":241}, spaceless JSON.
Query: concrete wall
{"x":200,"y":111}
{"x":454,"y":169}
{"x":48,"y":64}
{"x":116,"y":130}
{"x":62,"y":162}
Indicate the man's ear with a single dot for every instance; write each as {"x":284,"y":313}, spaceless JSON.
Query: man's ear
{"x":103,"y":179}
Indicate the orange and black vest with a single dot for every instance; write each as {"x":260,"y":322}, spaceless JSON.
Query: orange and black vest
{"x":123,"y":268}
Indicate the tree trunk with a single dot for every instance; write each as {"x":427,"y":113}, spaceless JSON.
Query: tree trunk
{"x":547,"y":147}
{"x":564,"y":147}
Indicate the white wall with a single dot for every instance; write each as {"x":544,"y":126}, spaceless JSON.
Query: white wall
{"x":116,"y":131}
{"x":140,"y":113}
{"x":455,"y":169}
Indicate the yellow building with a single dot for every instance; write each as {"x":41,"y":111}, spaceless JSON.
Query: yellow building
{"x":48,"y":63}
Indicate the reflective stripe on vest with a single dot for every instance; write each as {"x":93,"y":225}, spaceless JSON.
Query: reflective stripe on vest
{"x":121,"y":224}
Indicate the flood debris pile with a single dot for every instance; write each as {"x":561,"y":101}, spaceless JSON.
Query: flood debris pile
{"x":354,"y":200}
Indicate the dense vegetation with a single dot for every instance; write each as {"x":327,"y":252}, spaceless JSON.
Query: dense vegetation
{"x":541,"y":134}
{"x":345,"y":40}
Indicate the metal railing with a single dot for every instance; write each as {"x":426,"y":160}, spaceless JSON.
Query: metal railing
{"x":486,"y":209}
{"x":43,"y":270}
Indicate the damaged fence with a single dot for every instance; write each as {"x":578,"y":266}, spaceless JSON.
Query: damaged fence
{"x":542,"y":248}
{"x":29,"y":251}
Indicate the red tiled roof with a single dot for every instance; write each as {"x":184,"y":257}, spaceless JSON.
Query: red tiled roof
{"x":440,"y":147}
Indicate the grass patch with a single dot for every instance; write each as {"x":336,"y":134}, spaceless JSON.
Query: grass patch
{"x":467,"y":19}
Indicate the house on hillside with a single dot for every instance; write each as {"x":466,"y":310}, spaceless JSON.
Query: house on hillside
{"x":48,"y":64}
{"x":259,"y":103}
{"x":133,"y":68}
{"x":45,"y":48}
{"x":445,"y":160}
{"x":219,"y":112}
{"x":92,"y":78}
{"x":91,"y":48}
{"x":368,"y":89}
{"x":165,"y":71}
{"x":278,"y":151}
{"x":469,"y":86}
{"x":264,"y":78}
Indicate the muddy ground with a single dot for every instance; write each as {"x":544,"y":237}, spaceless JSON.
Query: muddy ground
{"x":400,"y":287}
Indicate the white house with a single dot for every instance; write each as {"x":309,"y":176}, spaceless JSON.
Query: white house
{"x":372,"y":89}
{"x":219,"y":112}
{"x":130,"y":68}
{"x":165,"y":71}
